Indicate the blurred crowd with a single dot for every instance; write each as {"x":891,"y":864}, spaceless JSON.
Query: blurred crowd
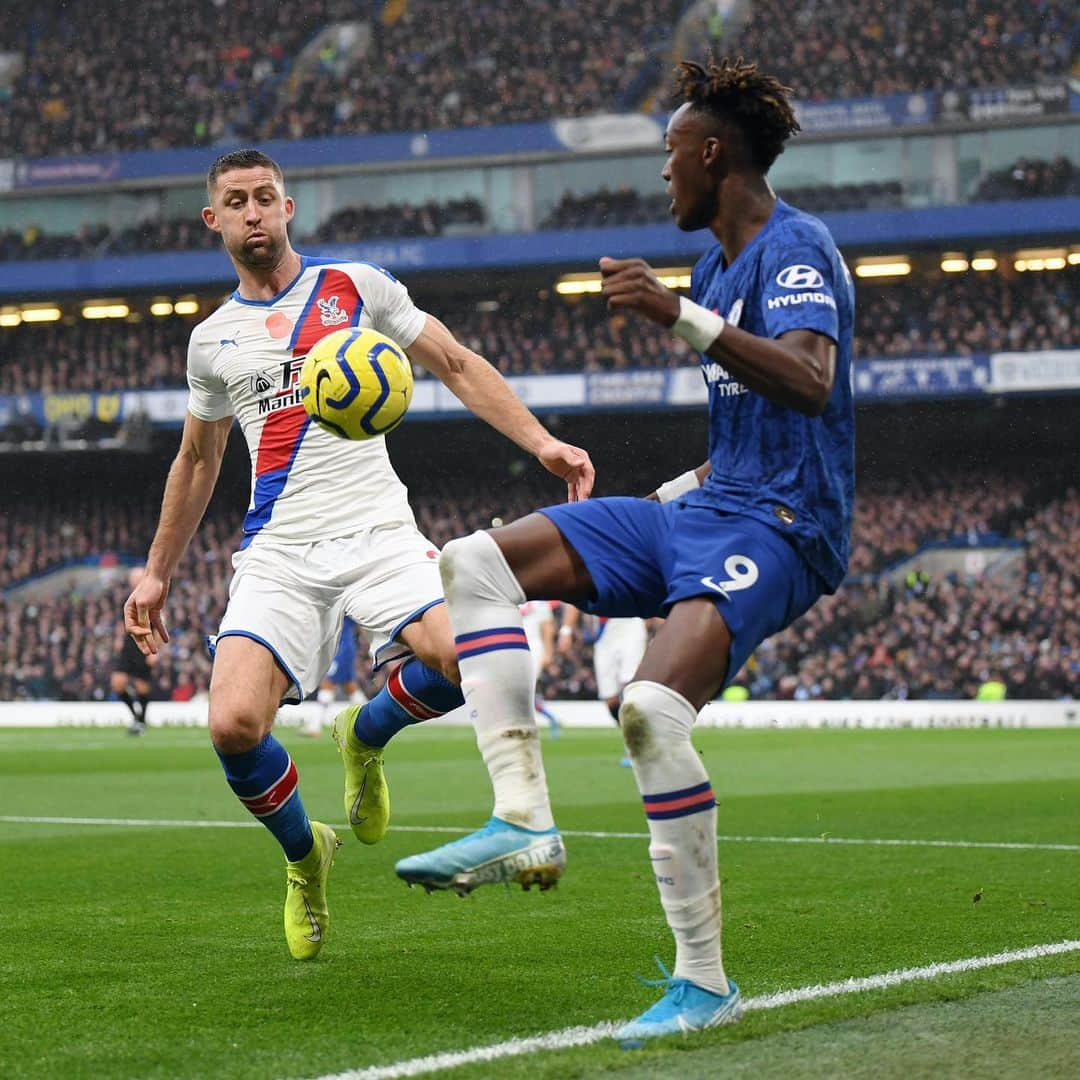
{"x":604,"y":207}
{"x":915,"y":636}
{"x":1031,"y":179}
{"x":208,"y":71}
{"x":349,"y":225}
{"x":927,"y":637}
{"x":969,"y":313}
{"x":159,"y":75}
{"x":625,"y":206}
{"x":527,"y":333}
{"x":841,"y":48}
{"x":354,"y":224}
{"x":90,"y":354}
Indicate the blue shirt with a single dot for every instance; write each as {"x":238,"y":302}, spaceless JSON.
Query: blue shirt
{"x":769,"y":462}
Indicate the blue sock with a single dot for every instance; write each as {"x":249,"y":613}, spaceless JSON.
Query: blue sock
{"x":413,"y":693}
{"x":265,"y":781}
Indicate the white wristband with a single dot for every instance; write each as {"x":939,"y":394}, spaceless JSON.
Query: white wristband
{"x":679,"y":486}
{"x":697,"y":326}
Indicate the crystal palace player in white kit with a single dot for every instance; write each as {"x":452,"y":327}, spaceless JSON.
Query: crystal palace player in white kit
{"x":328,"y":532}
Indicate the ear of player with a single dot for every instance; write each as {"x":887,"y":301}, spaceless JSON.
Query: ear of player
{"x":356,"y":383}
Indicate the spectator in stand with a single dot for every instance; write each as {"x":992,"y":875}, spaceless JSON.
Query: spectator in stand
{"x":533,"y":333}
{"x":348,"y":226}
{"x":206,"y":72}
{"x":842,"y":48}
{"x":537,"y":333}
{"x":932,"y":639}
{"x":629,"y":207}
{"x":1027,"y":179}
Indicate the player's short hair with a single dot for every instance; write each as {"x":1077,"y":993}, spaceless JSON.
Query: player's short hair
{"x":248,"y":158}
{"x":736,"y":92}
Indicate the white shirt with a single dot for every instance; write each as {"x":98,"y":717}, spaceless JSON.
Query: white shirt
{"x":244,"y":360}
{"x":534,"y":614}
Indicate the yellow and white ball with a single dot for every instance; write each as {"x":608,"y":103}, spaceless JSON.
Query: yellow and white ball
{"x":356,"y":383}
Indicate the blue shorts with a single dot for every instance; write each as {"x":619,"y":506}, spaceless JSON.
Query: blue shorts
{"x":644,"y":557}
{"x":343,"y":668}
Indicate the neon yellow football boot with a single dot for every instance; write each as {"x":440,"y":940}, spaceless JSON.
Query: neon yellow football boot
{"x":367,"y":798}
{"x":307,"y":918}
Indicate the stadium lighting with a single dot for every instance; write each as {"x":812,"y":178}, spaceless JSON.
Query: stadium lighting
{"x":106,"y":311}
{"x":10,"y":316}
{"x":576,"y":284}
{"x":41,"y":314}
{"x":1074,"y":258}
{"x":954,"y":263}
{"x":1040,"y":259}
{"x":885,"y":266}
{"x":186,"y":307}
{"x":674,"y":277}
{"x":983,"y":263}
{"x":161,"y":307}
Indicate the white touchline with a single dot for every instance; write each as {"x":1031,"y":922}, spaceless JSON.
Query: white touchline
{"x":825,"y":840}
{"x":583,"y":1036}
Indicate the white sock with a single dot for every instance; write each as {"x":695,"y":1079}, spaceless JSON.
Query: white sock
{"x":321,"y":718}
{"x":681,"y":809}
{"x":496,"y":666}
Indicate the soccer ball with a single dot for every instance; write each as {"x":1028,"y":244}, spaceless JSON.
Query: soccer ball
{"x":356,"y":383}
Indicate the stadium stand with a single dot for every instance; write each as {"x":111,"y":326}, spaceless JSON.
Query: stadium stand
{"x":92,"y":84}
{"x":628,"y":207}
{"x":349,"y":225}
{"x":90,"y":355}
{"x":943,"y":637}
{"x":234,"y":73}
{"x":1027,"y":179}
{"x":834,"y":48}
{"x":932,"y":636}
{"x":531,"y":333}
{"x":356,"y":223}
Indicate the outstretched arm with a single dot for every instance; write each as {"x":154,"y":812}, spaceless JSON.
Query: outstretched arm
{"x":188,"y":488}
{"x":489,"y":396}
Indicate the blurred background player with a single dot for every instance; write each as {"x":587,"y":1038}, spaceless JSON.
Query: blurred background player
{"x":618,"y":646}
{"x":313,"y":549}
{"x":538,"y":620}
{"x":340,"y":676}
{"x":131,"y":679}
{"x":730,"y":552}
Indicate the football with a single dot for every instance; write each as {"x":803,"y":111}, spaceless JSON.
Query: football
{"x":356,"y":383}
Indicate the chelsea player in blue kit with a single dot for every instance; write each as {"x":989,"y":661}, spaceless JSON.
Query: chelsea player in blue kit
{"x":730,"y":552}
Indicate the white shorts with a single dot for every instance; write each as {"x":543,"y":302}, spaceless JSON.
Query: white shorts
{"x":292,"y":597}
{"x":617,"y":654}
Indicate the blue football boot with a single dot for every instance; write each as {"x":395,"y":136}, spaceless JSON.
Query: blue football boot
{"x":685,"y":1007}
{"x":499,"y":852}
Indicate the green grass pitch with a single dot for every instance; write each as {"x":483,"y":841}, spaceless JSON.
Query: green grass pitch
{"x":136,"y":951}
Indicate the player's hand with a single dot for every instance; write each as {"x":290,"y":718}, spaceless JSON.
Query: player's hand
{"x":571,"y":464}
{"x":633,"y":284}
{"x":143,"y":618}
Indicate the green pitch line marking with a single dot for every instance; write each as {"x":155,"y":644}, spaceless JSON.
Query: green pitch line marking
{"x":850,"y":841}
{"x":584,"y":1036}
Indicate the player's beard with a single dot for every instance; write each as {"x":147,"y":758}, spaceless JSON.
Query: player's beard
{"x":262,"y":256}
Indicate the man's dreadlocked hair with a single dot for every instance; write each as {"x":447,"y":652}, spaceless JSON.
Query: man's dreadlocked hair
{"x":759,"y":105}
